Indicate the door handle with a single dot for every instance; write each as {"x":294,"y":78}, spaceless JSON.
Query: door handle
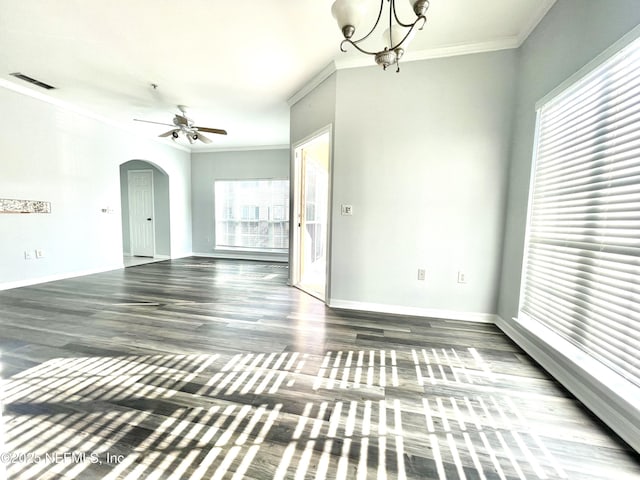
{"x":149,"y":219}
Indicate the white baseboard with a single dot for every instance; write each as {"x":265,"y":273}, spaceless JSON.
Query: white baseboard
{"x":601,"y":390}
{"x":180,"y":255}
{"x":161,"y":257}
{"x":265,"y":257}
{"x":53,"y":278}
{"x":412,"y":311}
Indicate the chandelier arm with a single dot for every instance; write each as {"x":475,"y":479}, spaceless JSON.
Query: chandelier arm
{"x":395,"y":15}
{"x":392,"y":8}
{"x":413,"y":27}
{"x":350,"y":42}
{"x":389,"y":55}
{"x":373,"y":28}
{"x":406,"y":25}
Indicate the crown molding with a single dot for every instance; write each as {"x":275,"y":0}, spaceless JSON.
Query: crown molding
{"x":64,"y":105}
{"x":506,"y":43}
{"x":311,"y":85}
{"x":411,"y":56}
{"x":240,"y":149}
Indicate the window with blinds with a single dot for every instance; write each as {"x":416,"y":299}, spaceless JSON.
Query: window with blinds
{"x":581,"y":276}
{"x":252,"y":215}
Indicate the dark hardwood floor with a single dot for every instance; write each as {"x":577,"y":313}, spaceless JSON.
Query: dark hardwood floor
{"x":201,"y":368}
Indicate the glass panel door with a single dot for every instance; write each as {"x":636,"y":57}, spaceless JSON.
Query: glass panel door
{"x":313,"y":215}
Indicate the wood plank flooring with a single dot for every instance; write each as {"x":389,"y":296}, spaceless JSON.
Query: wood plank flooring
{"x":201,"y":368}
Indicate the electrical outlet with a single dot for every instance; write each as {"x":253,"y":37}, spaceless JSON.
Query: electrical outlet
{"x":462,"y":277}
{"x":39,"y":253}
{"x":28,"y":255}
{"x":421,"y":274}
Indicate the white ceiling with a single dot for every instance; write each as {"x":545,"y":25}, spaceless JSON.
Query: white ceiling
{"x":233,"y":64}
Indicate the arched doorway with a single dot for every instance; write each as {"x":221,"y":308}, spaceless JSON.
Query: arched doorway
{"x":144,"y":200}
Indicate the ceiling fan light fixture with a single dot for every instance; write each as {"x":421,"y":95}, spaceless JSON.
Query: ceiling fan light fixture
{"x":183,"y":125}
{"x":396,"y":38}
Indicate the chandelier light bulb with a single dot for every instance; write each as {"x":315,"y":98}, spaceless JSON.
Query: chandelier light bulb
{"x":348,"y":14}
{"x":397,"y":36}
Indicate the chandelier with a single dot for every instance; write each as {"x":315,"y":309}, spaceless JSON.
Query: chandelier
{"x":348,"y":14}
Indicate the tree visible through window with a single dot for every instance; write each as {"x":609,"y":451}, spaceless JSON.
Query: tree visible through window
{"x":252,"y":214}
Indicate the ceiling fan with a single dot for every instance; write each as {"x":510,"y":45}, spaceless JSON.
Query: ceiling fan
{"x":184,"y":126}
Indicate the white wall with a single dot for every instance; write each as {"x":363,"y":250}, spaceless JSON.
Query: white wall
{"x":206,"y":168}
{"x":422,"y":157}
{"x":53,"y":154}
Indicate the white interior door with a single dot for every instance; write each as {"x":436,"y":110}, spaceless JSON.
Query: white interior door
{"x":312,"y":202}
{"x":141,"y":215}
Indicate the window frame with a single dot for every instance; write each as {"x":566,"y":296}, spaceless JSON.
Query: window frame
{"x":599,"y":377}
{"x":246,"y":223}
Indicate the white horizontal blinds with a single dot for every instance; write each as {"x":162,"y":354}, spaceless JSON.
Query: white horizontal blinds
{"x":582,"y":265}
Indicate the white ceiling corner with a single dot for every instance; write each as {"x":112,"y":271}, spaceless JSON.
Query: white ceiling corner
{"x":543,"y":8}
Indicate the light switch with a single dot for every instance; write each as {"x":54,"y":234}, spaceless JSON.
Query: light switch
{"x":347,"y":210}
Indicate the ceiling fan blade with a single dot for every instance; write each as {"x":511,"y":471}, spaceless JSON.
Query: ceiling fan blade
{"x":212,"y":130}
{"x":202,"y":138}
{"x":190,"y":138}
{"x":149,"y":121}
{"x":170,"y":132}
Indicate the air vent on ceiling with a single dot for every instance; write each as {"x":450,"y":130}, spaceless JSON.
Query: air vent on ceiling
{"x":33,"y":81}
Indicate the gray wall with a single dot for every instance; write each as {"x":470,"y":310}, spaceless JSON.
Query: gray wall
{"x":315,"y":111}
{"x":570,"y":35}
{"x":422,"y":157}
{"x":161,"y":206}
{"x":50,"y":153}
{"x":312,"y":113}
{"x":206,"y":168}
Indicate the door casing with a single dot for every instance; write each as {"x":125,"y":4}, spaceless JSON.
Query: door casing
{"x":295,"y":243}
